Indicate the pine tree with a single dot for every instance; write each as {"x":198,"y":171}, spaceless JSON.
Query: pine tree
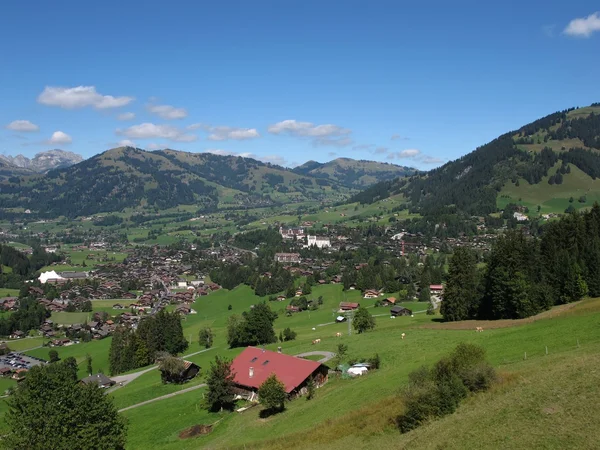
{"x":220,"y":385}
{"x":460,"y":291}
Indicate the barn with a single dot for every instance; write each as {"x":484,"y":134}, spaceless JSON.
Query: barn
{"x":254,"y":365}
{"x":400,"y":311}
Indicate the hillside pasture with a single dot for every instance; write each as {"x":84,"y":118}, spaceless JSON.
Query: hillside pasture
{"x":364,"y":407}
{"x":552,"y":198}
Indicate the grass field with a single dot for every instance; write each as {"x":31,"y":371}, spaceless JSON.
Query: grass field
{"x":21,"y":345}
{"x":8,"y":292}
{"x":361,"y":409}
{"x":552,"y":198}
{"x":341,"y":403}
{"x":69,"y":318}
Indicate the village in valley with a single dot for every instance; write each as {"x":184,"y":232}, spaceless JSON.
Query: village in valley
{"x":290,"y":305}
{"x":290,"y":226}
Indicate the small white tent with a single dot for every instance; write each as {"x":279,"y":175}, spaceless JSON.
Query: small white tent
{"x":50,"y":275}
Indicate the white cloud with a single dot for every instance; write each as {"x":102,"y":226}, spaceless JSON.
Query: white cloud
{"x":410,"y":153}
{"x":126,"y":116}
{"x":332,"y":154}
{"x":221,"y":152}
{"x":416,"y":155}
{"x":225,"y":133}
{"x":327,"y":134}
{"x":199,"y":126}
{"x":397,"y":137}
{"x":126,"y":143}
{"x":59,"y":137}
{"x":431,"y":160}
{"x":583,"y":26}
{"x":22,"y":125}
{"x":381,"y":150}
{"x":404,"y":154}
{"x":273,"y":159}
{"x":307,"y":129}
{"x":153,"y":131}
{"x":80,"y":97}
{"x":167,"y":111}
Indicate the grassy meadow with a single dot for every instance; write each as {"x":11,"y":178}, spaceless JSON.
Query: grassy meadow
{"x":361,"y":410}
{"x":552,"y":198}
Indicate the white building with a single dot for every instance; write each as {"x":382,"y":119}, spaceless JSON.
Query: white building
{"x":319,"y":241}
{"x":520,"y":217}
{"x":49,"y":276}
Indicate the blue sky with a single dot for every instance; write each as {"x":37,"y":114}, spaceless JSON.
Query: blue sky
{"x":288,"y":81}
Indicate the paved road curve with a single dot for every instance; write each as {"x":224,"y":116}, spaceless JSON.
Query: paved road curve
{"x":122,"y":380}
{"x":183,"y":391}
{"x":326,"y":355}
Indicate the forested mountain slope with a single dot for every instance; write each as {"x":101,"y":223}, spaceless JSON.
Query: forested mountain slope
{"x":128,"y":177}
{"x":354,"y":173}
{"x":540,"y":153}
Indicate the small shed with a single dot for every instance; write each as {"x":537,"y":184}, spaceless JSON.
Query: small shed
{"x":400,"y":311}
{"x":100,"y":379}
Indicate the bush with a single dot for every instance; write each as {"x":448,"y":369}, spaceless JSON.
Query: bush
{"x":438,"y":391}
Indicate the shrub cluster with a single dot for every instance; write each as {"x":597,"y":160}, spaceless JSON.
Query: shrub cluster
{"x":436,"y":392}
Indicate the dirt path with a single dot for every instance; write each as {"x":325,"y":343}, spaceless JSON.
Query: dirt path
{"x":183,"y":391}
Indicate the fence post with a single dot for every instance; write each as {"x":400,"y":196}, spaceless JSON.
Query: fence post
{"x":577,"y":343}
{"x":546,"y":350}
{"x":525,"y":355}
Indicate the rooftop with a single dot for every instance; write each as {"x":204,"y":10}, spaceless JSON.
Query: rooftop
{"x":291,"y":371}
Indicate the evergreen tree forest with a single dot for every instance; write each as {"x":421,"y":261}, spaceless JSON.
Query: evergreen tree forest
{"x":525,"y":276}
{"x":156,"y":334}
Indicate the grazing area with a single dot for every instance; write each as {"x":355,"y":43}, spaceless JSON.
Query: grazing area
{"x":505,"y":348}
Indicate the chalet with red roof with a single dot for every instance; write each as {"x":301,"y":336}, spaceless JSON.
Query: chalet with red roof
{"x":349,"y":306}
{"x":436,"y":289}
{"x":254,"y":365}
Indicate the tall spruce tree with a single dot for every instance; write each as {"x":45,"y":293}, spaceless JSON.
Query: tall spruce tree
{"x":460,"y":293}
{"x":220,"y":385}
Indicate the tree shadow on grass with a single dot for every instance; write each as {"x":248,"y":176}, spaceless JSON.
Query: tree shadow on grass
{"x":266,"y":413}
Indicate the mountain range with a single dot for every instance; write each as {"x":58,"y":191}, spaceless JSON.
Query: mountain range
{"x":43,"y":161}
{"x":128,"y":177}
{"x":551,"y":164}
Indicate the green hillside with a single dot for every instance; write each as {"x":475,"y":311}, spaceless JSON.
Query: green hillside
{"x":354,"y":173}
{"x":127,"y":177}
{"x":543,"y":163}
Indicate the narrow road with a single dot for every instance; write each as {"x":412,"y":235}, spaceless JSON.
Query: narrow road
{"x":183,"y":391}
{"x":326,"y":355}
{"x":122,"y":380}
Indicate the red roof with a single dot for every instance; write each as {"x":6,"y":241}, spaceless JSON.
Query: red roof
{"x":436,"y":287}
{"x":349,"y":305}
{"x":291,"y":371}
